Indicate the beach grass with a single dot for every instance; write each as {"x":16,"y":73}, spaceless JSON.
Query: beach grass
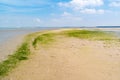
{"x":43,"y":39}
{"x":23,"y":51}
{"x":91,"y":35}
{"x":12,"y":61}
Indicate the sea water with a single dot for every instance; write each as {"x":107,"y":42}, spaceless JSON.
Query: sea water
{"x":9,"y":33}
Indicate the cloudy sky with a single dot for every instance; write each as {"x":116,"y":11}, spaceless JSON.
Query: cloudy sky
{"x":47,"y":13}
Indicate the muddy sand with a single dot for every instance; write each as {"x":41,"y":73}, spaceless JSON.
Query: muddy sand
{"x":71,"y":59}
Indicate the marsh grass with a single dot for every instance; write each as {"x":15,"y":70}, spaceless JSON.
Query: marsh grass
{"x":12,"y":61}
{"x":91,"y":35}
{"x":43,"y":39}
{"x":23,"y":51}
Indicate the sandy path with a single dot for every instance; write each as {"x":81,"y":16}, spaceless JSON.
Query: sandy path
{"x":71,"y":59}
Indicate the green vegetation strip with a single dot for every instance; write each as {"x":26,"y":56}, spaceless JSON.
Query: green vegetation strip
{"x":43,"y":39}
{"x":90,"y":35}
{"x":39,"y":38}
{"x":12,"y":61}
{"x":23,"y":51}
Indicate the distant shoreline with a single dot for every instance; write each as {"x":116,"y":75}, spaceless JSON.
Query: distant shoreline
{"x":43,"y":28}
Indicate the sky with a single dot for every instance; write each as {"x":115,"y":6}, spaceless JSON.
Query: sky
{"x":59,"y":13}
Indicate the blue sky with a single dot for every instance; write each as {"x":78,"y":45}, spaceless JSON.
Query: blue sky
{"x":57,"y":13}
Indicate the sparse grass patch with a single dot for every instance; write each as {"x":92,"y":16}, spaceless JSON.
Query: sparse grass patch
{"x":90,"y":35}
{"x":45,"y":38}
{"x":21,"y":54}
{"x":23,"y":51}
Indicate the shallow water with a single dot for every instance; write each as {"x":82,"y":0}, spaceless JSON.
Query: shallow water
{"x":10,"y":39}
{"x":6,"y":34}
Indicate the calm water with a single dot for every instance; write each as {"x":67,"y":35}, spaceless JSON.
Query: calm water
{"x":6,"y":34}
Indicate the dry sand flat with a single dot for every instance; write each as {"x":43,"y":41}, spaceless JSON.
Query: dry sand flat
{"x":71,"y":59}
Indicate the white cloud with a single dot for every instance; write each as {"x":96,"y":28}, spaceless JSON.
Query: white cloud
{"x":92,"y":11}
{"x":115,"y":4}
{"x":38,"y":20}
{"x":84,"y":6}
{"x":66,"y":14}
{"x":80,"y":4}
{"x":101,"y":11}
{"x":65,"y":19}
{"x":19,"y":21}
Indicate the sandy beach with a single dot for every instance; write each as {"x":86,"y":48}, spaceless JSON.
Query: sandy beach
{"x":71,"y":59}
